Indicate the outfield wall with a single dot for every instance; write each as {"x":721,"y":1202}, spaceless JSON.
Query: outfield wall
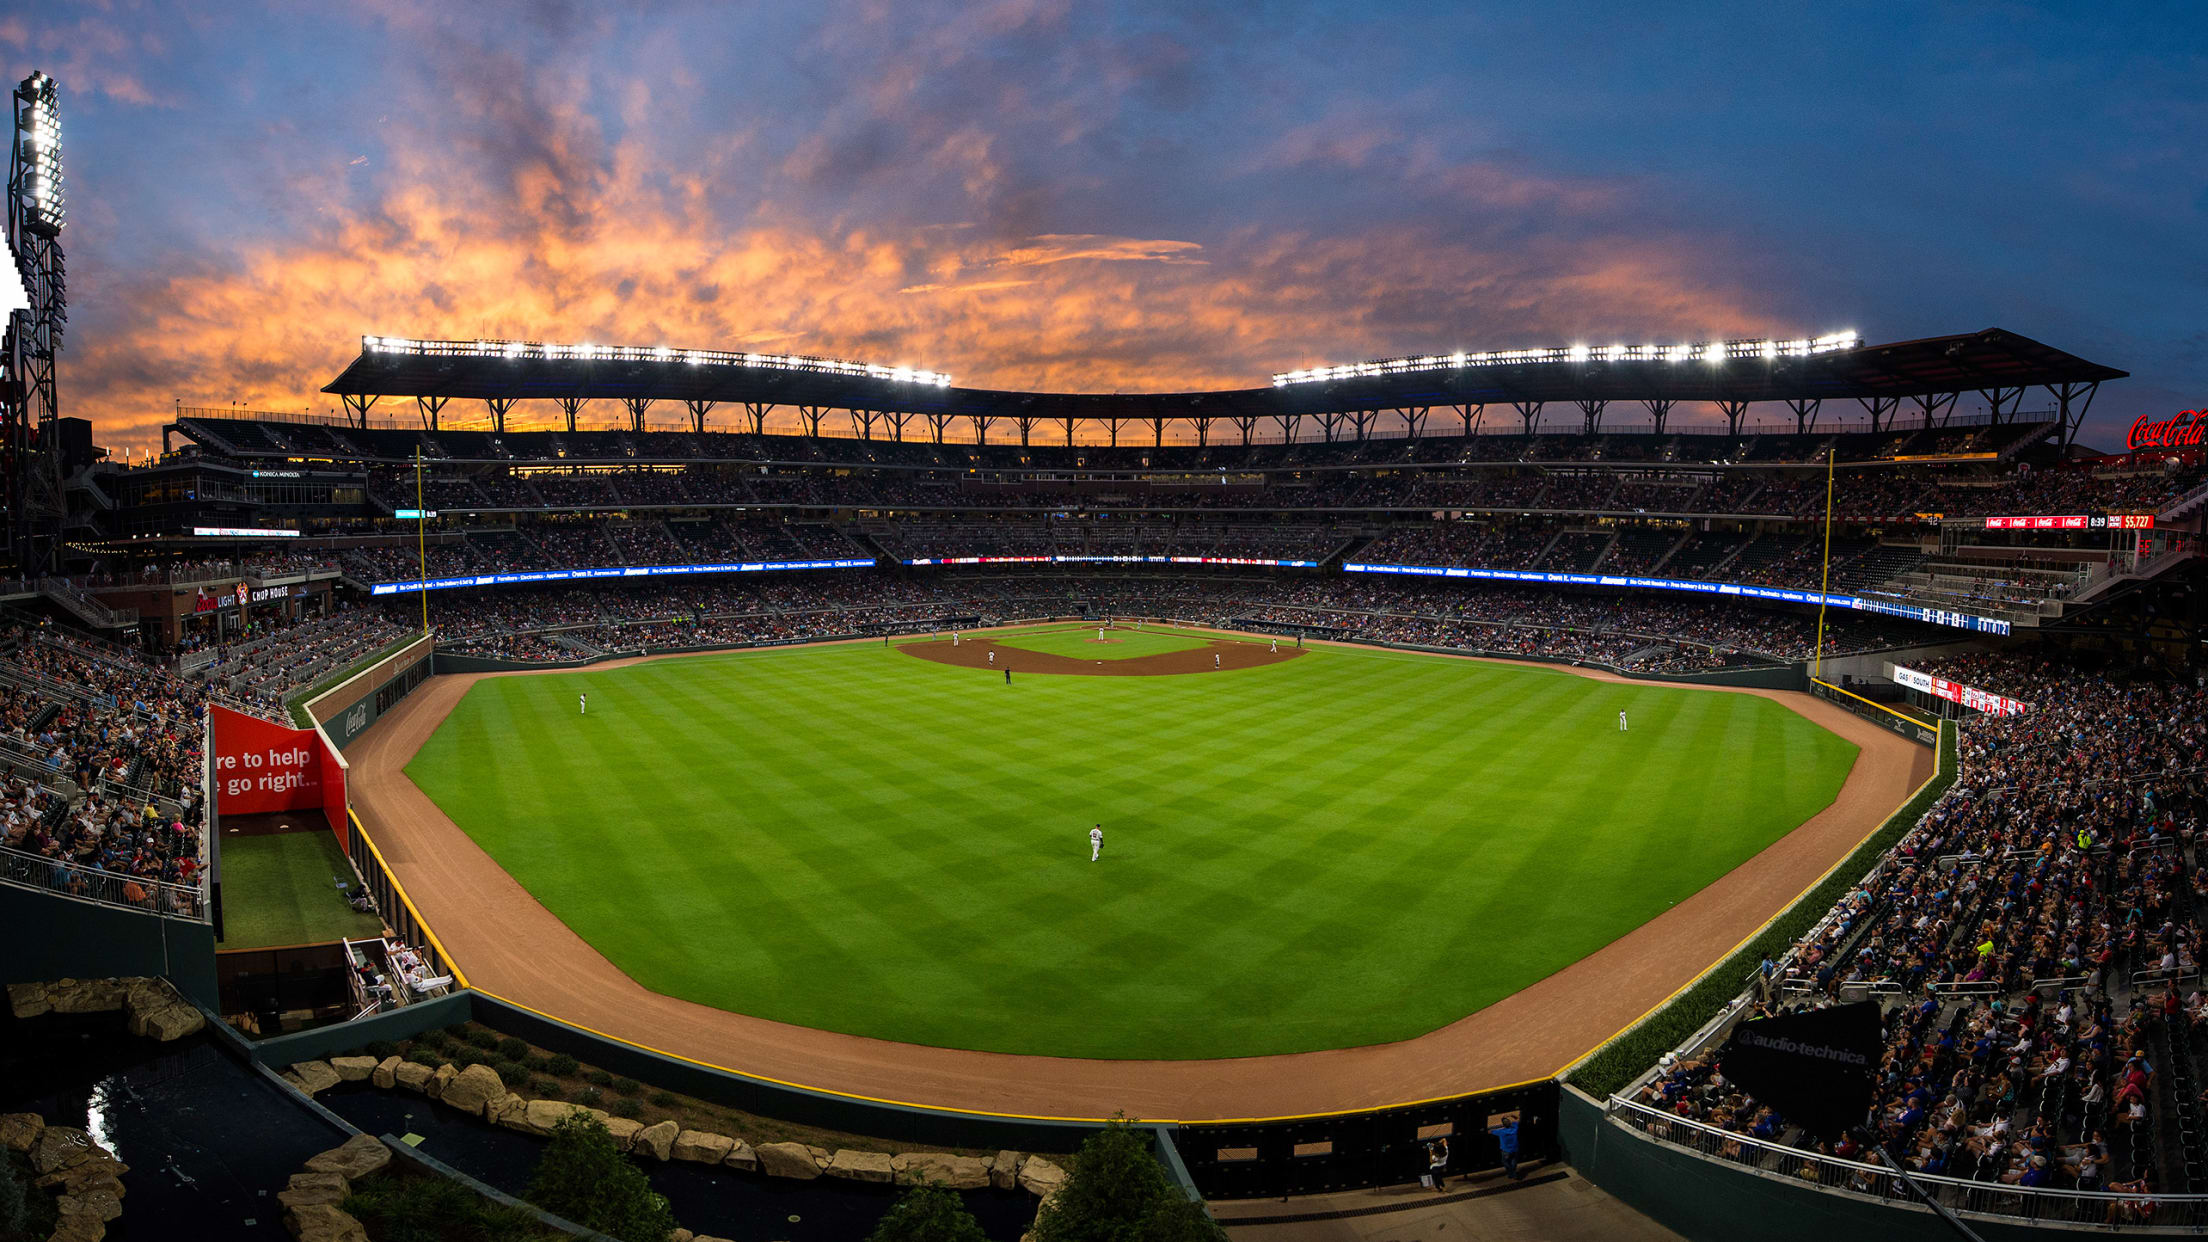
{"x":345,"y":710}
{"x":53,"y":936}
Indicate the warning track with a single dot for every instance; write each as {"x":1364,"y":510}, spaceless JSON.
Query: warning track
{"x":514,"y":948}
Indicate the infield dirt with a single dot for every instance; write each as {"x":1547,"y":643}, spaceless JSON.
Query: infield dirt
{"x":978,"y":653}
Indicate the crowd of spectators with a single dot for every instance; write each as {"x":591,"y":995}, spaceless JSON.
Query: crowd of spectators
{"x":2036,"y":937}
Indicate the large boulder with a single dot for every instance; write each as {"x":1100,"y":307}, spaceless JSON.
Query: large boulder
{"x":170,"y":1022}
{"x":1039,"y":1176}
{"x":323,"y":1222}
{"x":411,"y":1076}
{"x":702,"y":1147}
{"x":62,"y":1147}
{"x":29,"y":1000}
{"x":19,"y":1130}
{"x":934,"y":1168}
{"x":330,"y":1188}
{"x":473,"y":1089}
{"x":860,"y":1166}
{"x":360,"y":1156}
{"x":87,"y":995}
{"x":1004,"y":1171}
{"x":101,"y":1172}
{"x":624,"y":1131}
{"x":791,"y":1160}
{"x":313,"y":1077}
{"x":386,"y":1073}
{"x":741,"y":1156}
{"x":441,"y":1079}
{"x":353,"y":1069}
{"x":100,"y":1205}
{"x":656,"y":1141}
{"x":78,"y":1229}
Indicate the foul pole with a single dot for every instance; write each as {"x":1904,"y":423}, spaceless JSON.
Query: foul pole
{"x":421,"y":539}
{"x":1824,"y":580}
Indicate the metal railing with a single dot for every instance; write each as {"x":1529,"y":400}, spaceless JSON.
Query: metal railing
{"x":107,"y":888}
{"x":1809,"y":1168}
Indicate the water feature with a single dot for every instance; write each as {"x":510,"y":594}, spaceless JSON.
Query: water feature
{"x":208,"y":1140}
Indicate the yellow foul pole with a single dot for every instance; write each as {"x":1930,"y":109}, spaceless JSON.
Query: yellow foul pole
{"x":420,"y":540}
{"x":1824,"y":582}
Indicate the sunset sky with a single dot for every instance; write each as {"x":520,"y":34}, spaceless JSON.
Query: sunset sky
{"x":1116,"y":197}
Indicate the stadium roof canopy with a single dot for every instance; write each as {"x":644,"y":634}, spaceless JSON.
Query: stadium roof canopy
{"x":1930,"y":374}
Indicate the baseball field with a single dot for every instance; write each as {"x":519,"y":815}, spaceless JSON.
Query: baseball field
{"x":1303,"y":851}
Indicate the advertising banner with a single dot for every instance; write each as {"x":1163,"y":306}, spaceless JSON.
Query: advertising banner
{"x":1814,"y":1068}
{"x":608,"y":571}
{"x":1956,"y":692}
{"x":260,"y":768}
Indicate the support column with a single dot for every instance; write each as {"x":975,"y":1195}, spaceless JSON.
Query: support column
{"x":1203,"y":432}
{"x":1659,"y":410}
{"x":429,"y":408}
{"x":862,"y":421}
{"x":1414,"y":418}
{"x":1590,"y":415}
{"x":1881,"y":410}
{"x":1027,"y":426}
{"x":636,"y":406}
{"x":499,"y":407}
{"x":1805,"y":412}
{"x":1471,"y":414}
{"x":698,"y":410}
{"x":1327,"y":423}
{"x":1938,"y":405}
{"x":2002,"y":402}
{"x":757,"y":410}
{"x":812,"y":415}
{"x":359,"y":403}
{"x":1248,"y":424}
{"x":571,"y":406}
{"x":1734,"y":411}
{"x":2067,"y":395}
{"x":936,"y":423}
{"x":1069,"y":430}
{"x":896,"y":420}
{"x":981,"y":426}
{"x":1290,"y":424}
{"x":1529,"y":413}
{"x":1157,"y":433}
{"x":1112,"y":421}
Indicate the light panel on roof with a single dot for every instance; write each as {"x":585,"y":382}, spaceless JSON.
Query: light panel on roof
{"x":1713,"y":352}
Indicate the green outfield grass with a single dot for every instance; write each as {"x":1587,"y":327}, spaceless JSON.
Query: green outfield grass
{"x":277,"y":890}
{"x":1348,"y":848}
{"x":1118,"y":644}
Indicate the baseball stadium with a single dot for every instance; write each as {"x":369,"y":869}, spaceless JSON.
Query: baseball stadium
{"x":1553,"y":790}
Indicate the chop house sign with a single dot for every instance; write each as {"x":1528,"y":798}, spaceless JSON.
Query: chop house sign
{"x":2184,"y":431}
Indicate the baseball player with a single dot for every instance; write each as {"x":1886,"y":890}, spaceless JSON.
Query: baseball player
{"x":1096,"y":843}
{"x":1215,"y":659}
{"x":992,"y":655}
{"x":582,"y":705}
{"x":1621,"y":722}
{"x":1276,"y":647}
{"x":1100,"y":633}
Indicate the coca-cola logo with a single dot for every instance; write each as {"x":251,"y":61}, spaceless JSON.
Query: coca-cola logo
{"x":2184,"y":431}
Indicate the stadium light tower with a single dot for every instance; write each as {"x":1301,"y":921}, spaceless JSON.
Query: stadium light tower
{"x":30,"y":456}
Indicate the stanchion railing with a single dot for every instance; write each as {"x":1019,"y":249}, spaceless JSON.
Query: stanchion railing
{"x":107,"y":888}
{"x":1809,"y":1168}
{"x":395,"y":906}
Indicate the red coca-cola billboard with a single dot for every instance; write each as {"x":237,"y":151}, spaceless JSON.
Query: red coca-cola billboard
{"x":2184,"y":431}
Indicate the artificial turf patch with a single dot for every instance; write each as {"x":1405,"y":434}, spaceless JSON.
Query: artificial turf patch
{"x":280,"y":889}
{"x":1349,"y":848}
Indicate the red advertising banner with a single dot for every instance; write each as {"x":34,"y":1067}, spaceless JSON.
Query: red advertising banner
{"x":2073,"y":521}
{"x":261,"y":767}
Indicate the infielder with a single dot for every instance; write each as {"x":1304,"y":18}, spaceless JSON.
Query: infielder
{"x":582,"y":705}
{"x":992,"y":656}
{"x":1214,"y":659}
{"x":1276,"y":647}
{"x":1621,"y":722}
{"x":1096,"y":843}
{"x":1100,"y":633}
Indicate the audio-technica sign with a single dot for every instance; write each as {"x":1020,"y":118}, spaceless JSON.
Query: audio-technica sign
{"x":610,"y":571}
{"x":2184,"y":431}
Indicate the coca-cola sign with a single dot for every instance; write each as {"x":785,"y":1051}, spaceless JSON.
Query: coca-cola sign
{"x":2184,"y":431}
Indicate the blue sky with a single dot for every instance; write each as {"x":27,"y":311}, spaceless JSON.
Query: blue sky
{"x":1030,"y":193}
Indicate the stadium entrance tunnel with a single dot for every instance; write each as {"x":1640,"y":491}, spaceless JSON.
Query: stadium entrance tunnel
{"x":1215,"y":656}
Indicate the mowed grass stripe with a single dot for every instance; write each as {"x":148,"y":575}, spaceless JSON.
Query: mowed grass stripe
{"x":1347,"y":848}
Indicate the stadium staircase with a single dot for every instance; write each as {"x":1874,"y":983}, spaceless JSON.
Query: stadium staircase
{"x":74,"y":600}
{"x":2183,"y":505}
{"x":1685,"y":537}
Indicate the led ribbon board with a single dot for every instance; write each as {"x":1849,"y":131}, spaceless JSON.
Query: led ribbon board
{"x":1784,"y":595}
{"x":1113,"y":560}
{"x":605,"y":572}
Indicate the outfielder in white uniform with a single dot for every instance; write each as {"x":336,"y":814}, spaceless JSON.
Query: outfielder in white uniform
{"x":1096,"y":843}
{"x":1621,"y":722}
{"x":582,"y":705}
